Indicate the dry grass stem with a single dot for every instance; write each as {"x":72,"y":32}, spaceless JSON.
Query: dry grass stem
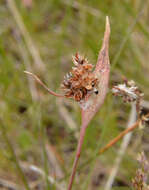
{"x":39,"y":171}
{"x":29,"y":42}
{"x":43,"y":85}
{"x":122,"y":149}
{"x":23,"y":52}
{"x":122,"y":134}
{"x":64,"y":113}
{"x":5,"y":184}
{"x":52,"y":158}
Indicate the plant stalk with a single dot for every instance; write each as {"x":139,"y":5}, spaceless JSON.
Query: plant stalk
{"x":78,"y":153}
{"x":122,"y":134}
{"x":43,"y":85}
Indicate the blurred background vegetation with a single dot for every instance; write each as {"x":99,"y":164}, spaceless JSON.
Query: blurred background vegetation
{"x":40,"y":130}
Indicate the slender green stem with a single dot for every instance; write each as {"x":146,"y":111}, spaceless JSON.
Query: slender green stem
{"x":46,"y":171}
{"x":10,"y":147}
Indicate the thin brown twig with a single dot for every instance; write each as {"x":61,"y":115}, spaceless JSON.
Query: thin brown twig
{"x":122,"y":134}
{"x":116,"y":139}
{"x":43,"y":85}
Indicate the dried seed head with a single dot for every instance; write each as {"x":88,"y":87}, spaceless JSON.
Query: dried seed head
{"x":129,"y":92}
{"x":140,"y":179}
{"x":81,"y":80}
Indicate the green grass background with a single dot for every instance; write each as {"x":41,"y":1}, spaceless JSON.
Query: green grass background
{"x":59,"y":28}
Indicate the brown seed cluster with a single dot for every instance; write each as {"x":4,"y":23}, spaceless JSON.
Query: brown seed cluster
{"x":140,"y":180}
{"x":81,"y":80}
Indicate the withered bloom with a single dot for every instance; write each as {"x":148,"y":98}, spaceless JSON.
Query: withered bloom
{"x":81,"y":80}
{"x":129,"y":92}
{"x":140,"y":180}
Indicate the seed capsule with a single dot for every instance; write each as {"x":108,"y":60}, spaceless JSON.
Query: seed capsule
{"x":81,"y":80}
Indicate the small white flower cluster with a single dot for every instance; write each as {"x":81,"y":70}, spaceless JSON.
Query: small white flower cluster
{"x":128,"y":91}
